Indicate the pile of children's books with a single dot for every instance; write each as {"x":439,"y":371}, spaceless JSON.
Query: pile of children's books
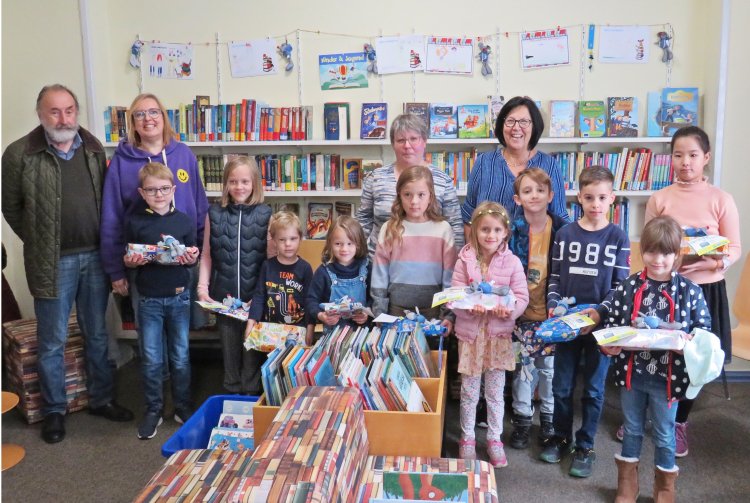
{"x":235,"y":429}
{"x":381,"y":363}
{"x":200,"y":121}
{"x":618,"y":214}
{"x":633,"y":169}
{"x":20,"y":347}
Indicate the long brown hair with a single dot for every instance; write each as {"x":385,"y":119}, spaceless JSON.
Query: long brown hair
{"x":394,"y":229}
{"x":133,"y":137}
{"x":484,"y":210}
{"x":353,"y":230}
{"x":663,"y":235}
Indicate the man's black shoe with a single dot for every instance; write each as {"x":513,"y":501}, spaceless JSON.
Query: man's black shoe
{"x":113,"y":412}
{"x":53,"y":429}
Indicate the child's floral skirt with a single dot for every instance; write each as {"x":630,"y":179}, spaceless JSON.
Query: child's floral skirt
{"x":485,"y":353}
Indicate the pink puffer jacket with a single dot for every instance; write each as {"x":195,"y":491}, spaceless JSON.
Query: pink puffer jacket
{"x":504,"y":269}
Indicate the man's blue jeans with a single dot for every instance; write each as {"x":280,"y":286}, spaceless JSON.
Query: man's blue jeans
{"x":80,"y":279}
{"x":160,"y":316}
{"x":567,"y":357}
{"x":648,"y":392}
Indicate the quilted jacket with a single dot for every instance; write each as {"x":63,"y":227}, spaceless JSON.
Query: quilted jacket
{"x":238,"y":248}
{"x":504,"y":269}
{"x":31,"y":191}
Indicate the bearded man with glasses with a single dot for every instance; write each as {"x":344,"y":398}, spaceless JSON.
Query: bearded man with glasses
{"x":52,"y":182}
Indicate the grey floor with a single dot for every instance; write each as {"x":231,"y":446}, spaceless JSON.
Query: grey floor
{"x":100,"y":461}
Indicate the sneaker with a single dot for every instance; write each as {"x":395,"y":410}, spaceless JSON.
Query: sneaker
{"x":556,"y":449}
{"x":583,"y":462}
{"x":497,"y":454}
{"x":182,"y":414}
{"x":620,"y":433}
{"x":147,"y":429}
{"x":547,"y":430}
{"x":482,"y":413}
{"x":680,"y":434}
{"x":467,"y":449}
{"x":519,"y":439}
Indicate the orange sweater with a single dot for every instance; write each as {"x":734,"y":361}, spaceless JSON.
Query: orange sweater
{"x":700,"y":205}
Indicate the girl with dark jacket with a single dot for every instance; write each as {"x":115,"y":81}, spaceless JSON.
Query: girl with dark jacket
{"x":234,"y":248}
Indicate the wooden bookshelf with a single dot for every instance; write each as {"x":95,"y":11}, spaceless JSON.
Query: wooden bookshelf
{"x":391,"y":433}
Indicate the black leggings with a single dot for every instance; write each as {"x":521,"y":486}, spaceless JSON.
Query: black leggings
{"x":683,"y":410}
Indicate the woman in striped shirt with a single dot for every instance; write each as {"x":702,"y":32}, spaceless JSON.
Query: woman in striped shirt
{"x":519,"y":127}
{"x":409,"y":139}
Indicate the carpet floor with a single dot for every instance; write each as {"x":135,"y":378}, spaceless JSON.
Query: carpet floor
{"x":100,"y":461}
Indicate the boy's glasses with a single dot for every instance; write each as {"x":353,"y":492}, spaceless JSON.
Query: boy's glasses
{"x":166,"y":190}
{"x":139,"y":115}
{"x":524,"y":123}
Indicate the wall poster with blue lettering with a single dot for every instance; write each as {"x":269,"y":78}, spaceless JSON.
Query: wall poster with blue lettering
{"x":343,"y":71}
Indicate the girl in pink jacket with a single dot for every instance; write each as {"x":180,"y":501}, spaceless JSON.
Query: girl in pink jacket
{"x":485,"y":336}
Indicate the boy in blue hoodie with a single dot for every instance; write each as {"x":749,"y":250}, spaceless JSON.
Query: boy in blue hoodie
{"x":164,"y":296}
{"x":531,"y":241}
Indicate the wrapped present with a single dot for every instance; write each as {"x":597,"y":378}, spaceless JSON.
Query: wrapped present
{"x":642,"y":338}
{"x":346,"y":307}
{"x":268,"y":336}
{"x":240,"y":314}
{"x":164,"y":252}
{"x":565,"y":328}
{"x":697,"y":243}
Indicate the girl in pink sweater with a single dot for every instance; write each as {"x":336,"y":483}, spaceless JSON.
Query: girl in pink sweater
{"x":485,"y":345}
{"x":694,"y":202}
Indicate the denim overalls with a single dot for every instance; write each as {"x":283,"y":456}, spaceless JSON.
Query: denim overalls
{"x":354,"y":288}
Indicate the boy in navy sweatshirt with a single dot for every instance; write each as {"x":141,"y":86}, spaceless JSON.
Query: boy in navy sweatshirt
{"x":589,"y":259}
{"x":165,"y":295}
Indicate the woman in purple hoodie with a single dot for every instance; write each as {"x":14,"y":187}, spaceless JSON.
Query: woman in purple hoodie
{"x":150,"y":138}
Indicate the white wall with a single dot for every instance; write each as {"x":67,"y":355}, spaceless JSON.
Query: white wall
{"x":55,"y":51}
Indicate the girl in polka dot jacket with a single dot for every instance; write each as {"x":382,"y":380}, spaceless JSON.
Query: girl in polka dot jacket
{"x":650,"y":378}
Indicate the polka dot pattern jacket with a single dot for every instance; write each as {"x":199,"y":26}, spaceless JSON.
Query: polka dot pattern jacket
{"x":689,"y":308}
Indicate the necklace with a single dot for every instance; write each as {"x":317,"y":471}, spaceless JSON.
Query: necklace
{"x":516,"y":165}
{"x":677,"y":180}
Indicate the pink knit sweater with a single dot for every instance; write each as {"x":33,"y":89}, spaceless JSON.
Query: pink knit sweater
{"x":700,"y":205}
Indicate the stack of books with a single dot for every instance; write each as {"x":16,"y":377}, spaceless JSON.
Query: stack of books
{"x":633,"y":169}
{"x":291,"y":366}
{"x":20,"y":348}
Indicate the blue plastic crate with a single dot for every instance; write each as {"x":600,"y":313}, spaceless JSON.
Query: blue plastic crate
{"x":196,"y":432}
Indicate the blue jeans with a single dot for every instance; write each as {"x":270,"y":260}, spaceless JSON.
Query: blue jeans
{"x":567,"y":357}
{"x":647,"y":392}
{"x":80,"y":279}
{"x":160,"y":317}
{"x":523,"y":391}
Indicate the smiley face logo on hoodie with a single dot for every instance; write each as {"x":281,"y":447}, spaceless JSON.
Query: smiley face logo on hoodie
{"x":182,"y":175}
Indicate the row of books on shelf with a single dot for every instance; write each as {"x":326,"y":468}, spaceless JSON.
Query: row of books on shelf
{"x":200,"y":121}
{"x":379,"y":362}
{"x":618,"y":214}
{"x":457,"y":165}
{"x":633,"y":169}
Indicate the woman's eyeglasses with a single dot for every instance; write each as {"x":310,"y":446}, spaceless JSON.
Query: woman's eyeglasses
{"x":139,"y":115}
{"x":524,"y":123}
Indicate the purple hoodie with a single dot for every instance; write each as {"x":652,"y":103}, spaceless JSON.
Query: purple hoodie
{"x":121,"y":198}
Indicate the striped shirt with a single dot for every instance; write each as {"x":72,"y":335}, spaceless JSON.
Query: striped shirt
{"x":588,"y":265}
{"x":492,"y":180}
{"x":379,"y":193}
{"x":409,"y":275}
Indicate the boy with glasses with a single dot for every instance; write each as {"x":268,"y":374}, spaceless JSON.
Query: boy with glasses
{"x":165,"y":295}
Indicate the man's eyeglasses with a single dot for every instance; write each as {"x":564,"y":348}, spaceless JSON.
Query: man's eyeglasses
{"x":166,"y":190}
{"x":139,"y":115}
{"x":524,"y":123}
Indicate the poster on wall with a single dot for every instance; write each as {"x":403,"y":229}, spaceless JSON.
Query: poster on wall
{"x":544,"y":48}
{"x":624,"y":44}
{"x":253,"y":58}
{"x":343,"y":71}
{"x":449,"y":55}
{"x":400,"y":54}
{"x":170,"y":61}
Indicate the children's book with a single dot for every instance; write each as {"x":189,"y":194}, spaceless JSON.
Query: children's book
{"x":230,"y":439}
{"x":318,"y":220}
{"x":374,"y":120}
{"x":622,"y":118}
{"x":290,"y":207}
{"x":332,"y":126}
{"x":345,"y":122}
{"x":562,"y":119}
{"x":344,"y":209}
{"x":495,"y":103}
{"x":591,"y":119}
{"x":421,"y":110}
{"x":417,"y":402}
{"x":370,"y":165}
{"x":679,"y":108}
{"x":239,"y":421}
{"x":653,"y":118}
{"x":472,"y":121}
{"x":425,"y":486}
{"x":352,"y":173}
{"x":443,"y":120}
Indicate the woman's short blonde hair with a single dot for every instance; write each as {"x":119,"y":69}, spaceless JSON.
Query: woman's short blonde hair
{"x":257,"y":196}
{"x":284,"y":220}
{"x":133,"y":137}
